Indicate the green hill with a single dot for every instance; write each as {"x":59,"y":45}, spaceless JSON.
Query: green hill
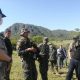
{"x":39,"y":30}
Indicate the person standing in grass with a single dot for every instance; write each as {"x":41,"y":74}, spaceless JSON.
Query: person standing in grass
{"x":53,"y":58}
{"x":26,"y":50}
{"x":43,"y":58}
{"x":74,"y":57}
{"x":8,"y":44}
{"x":3,"y":52}
{"x":60,"y":56}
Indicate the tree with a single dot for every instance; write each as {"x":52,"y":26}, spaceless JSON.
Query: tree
{"x":37,"y":39}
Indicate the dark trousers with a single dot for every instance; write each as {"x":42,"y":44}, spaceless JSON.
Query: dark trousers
{"x":29,"y":69}
{"x":74,"y":64}
{"x":54,"y":66}
{"x":8,"y":69}
{"x":2,"y":70}
{"x":43,"y":68}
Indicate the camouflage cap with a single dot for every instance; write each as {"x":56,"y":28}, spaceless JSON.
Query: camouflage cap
{"x":45,"y":38}
{"x":24,"y":30}
{"x":2,"y":15}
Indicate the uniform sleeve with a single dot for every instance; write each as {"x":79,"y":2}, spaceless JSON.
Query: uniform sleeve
{"x":36,"y":47}
{"x":20,"y":49}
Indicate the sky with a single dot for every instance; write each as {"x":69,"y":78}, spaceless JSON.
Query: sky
{"x":51,"y":14}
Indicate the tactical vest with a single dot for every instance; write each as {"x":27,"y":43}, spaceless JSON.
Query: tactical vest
{"x":44,"y":49}
{"x":24,"y":43}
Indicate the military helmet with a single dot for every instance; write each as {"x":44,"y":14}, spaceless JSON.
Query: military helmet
{"x":24,"y":30}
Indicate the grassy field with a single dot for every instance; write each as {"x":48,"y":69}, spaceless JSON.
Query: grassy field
{"x":17,"y":74}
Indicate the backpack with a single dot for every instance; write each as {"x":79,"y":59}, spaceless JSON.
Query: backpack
{"x":62,"y":54}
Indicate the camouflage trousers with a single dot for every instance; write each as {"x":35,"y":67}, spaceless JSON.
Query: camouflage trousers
{"x":29,"y":70}
{"x":8,"y":69}
{"x":2,"y":70}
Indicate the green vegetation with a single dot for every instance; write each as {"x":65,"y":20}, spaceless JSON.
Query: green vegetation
{"x":17,"y":74}
{"x":37,"y":39}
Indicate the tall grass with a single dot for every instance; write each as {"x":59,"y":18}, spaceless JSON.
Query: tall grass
{"x":17,"y":73}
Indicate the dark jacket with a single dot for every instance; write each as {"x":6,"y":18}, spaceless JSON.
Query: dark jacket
{"x":77,"y":53}
{"x":8,"y":46}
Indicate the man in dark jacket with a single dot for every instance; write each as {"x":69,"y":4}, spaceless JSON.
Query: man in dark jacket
{"x":53,"y":58}
{"x":8,"y":44}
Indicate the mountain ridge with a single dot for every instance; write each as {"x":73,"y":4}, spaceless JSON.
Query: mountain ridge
{"x":41,"y":31}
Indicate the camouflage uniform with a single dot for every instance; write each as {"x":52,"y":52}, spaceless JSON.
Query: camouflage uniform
{"x":43,"y":60}
{"x":53,"y":58}
{"x":28,"y":61}
{"x":2,"y":64}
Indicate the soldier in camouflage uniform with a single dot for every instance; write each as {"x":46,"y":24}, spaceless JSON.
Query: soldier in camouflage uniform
{"x":53,"y":58}
{"x":3,"y":52}
{"x":26,"y":50}
{"x":43,"y":60}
